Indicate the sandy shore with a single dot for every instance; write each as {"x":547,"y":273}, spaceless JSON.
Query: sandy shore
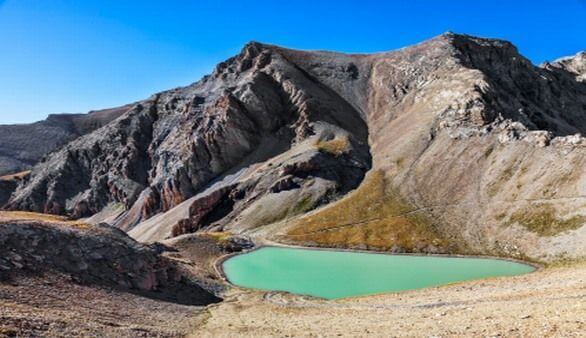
{"x":548,"y":303}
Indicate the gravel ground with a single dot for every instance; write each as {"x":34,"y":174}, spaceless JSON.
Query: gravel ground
{"x":548,"y":303}
{"x":53,"y":306}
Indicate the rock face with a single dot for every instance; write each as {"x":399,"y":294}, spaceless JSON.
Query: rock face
{"x":466,"y":132}
{"x":100,"y":255}
{"x":475,"y":138}
{"x":574,"y":65}
{"x":23,"y":145}
{"x":166,"y":149}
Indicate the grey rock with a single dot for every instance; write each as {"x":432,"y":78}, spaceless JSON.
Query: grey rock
{"x":463,"y":128}
{"x":167,"y":148}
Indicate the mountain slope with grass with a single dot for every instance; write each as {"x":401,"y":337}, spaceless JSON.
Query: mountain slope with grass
{"x":457,"y":144}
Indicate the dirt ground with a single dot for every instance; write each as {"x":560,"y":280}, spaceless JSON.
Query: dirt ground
{"x":548,"y":303}
{"x":53,"y":306}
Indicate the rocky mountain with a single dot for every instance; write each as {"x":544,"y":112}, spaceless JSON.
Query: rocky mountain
{"x":23,"y":145}
{"x":457,"y":144}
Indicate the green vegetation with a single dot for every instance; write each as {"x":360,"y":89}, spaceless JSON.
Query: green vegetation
{"x":543,"y":220}
{"x":217,"y":236}
{"x":336,"y":147}
{"x":373,"y":216}
{"x":567,"y":262}
{"x":500,"y":216}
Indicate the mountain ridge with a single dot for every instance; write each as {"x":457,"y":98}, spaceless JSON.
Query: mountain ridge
{"x":273,"y":133}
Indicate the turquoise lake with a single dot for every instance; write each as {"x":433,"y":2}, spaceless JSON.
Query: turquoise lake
{"x":338,"y":274}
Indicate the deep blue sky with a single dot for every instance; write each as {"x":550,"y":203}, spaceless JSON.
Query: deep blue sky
{"x":77,"y":55}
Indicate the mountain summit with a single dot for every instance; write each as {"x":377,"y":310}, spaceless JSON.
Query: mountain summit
{"x":456,"y":144}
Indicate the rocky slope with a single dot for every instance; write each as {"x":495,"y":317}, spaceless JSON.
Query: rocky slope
{"x":23,"y":145}
{"x":470,"y":148}
{"x":478,"y":145}
{"x":99,"y":255}
{"x":168,"y":148}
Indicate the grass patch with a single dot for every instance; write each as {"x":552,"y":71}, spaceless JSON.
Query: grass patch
{"x":373,"y":216}
{"x":500,"y":216}
{"x":336,"y":147}
{"x":46,"y":218}
{"x":543,"y":220}
{"x":217,"y":236}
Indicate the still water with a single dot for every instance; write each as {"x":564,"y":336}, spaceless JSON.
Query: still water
{"x":337,"y":274}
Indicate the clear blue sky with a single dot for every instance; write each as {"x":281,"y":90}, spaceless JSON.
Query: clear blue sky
{"x":77,"y":55}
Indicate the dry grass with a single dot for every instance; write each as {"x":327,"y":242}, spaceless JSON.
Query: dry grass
{"x":542,"y":220}
{"x":217,"y":236}
{"x":373,"y":216}
{"x":336,"y":147}
{"x":46,"y":218}
{"x":16,"y":176}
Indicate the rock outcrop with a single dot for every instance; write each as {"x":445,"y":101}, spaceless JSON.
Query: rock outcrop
{"x":474,"y":144}
{"x":101,"y":255}
{"x":575,"y":65}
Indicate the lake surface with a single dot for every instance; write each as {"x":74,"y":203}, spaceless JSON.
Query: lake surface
{"x":338,"y":274}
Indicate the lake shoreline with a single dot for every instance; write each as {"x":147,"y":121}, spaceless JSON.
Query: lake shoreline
{"x":219,"y":263}
{"x":520,"y":306}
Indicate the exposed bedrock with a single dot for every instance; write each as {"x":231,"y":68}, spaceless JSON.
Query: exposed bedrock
{"x":466,"y":132}
{"x":164,"y":150}
{"x":101,"y":255}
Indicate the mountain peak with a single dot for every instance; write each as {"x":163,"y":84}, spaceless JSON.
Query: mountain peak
{"x":274,"y":133}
